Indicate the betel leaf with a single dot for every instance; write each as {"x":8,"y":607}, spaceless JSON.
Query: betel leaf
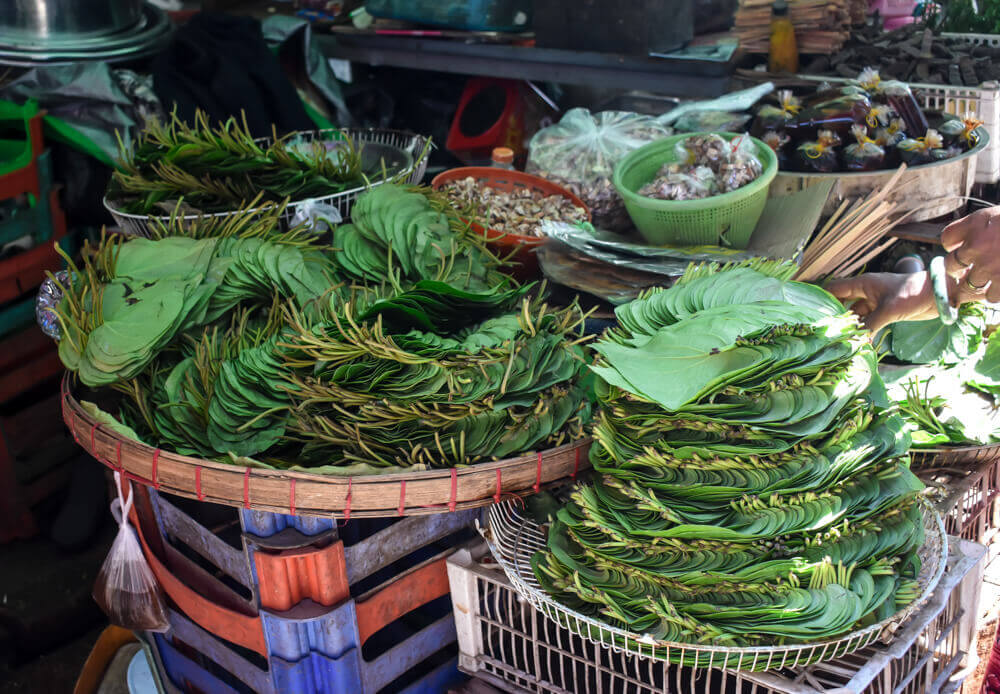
{"x":986,"y":370}
{"x":931,"y":341}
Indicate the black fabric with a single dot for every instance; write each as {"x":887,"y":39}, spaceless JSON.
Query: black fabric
{"x":221,"y":64}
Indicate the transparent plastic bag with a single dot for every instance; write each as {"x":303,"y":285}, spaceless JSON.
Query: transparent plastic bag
{"x":126,"y":589}
{"x":701,"y":121}
{"x":580,"y":153}
{"x":741,"y":166}
{"x":692,"y":184}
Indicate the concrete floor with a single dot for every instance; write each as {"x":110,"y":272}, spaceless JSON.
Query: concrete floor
{"x":48,"y":619}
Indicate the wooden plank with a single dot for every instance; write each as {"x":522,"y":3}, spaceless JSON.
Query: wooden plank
{"x":921,"y":232}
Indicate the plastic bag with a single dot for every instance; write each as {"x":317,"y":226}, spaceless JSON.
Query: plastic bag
{"x":864,"y":154}
{"x":701,"y":121}
{"x":776,"y":116}
{"x":580,"y":153}
{"x":318,"y":217}
{"x":126,"y":589}
{"x":819,"y":156}
{"x":892,"y":134}
{"x":778,"y":141}
{"x":959,"y":133}
{"x":691,"y":184}
{"x":922,"y":150}
{"x":49,"y":296}
{"x":740,"y":166}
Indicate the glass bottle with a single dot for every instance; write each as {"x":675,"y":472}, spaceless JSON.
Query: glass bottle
{"x":783,"y":51}
{"x":503,"y":158}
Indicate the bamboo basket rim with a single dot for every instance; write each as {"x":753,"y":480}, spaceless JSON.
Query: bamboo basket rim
{"x":212,"y":481}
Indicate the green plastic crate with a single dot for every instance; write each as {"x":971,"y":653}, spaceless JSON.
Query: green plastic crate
{"x":722,"y":220}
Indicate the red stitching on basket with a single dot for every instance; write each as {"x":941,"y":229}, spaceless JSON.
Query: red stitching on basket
{"x":197,"y":483}
{"x":156,"y":462}
{"x":291,"y":496}
{"x":347,"y":501}
{"x":93,"y":443}
{"x":454,"y":489}
{"x":246,"y":488}
{"x":118,"y":456}
{"x":402,"y":497}
{"x":496,"y":497}
{"x":538,"y":473}
{"x":576,"y":464}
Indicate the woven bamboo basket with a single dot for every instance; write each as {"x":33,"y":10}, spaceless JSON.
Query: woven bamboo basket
{"x":310,"y":494}
{"x":949,"y":456}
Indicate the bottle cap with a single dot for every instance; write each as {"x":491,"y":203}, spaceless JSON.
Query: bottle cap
{"x":503,"y":155}
{"x":780,"y":7}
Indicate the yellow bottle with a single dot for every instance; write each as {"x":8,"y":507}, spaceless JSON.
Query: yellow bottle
{"x":784,"y":51}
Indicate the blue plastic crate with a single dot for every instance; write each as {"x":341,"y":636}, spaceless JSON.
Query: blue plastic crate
{"x":264,"y":524}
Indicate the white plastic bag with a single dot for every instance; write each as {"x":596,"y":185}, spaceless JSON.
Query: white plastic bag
{"x":125,"y":588}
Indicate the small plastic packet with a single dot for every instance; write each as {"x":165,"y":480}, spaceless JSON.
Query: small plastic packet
{"x":879,"y":116}
{"x":960,"y":133}
{"x":778,"y":142}
{"x":820,"y":155}
{"x":892,"y":134}
{"x":126,"y":589}
{"x":776,"y":116}
{"x":922,"y":150}
{"x":869,"y":81}
{"x":864,"y":154}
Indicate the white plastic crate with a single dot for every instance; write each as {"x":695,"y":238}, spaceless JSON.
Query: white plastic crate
{"x":982,"y":103}
{"x":507,"y":643}
{"x":975,"y":39}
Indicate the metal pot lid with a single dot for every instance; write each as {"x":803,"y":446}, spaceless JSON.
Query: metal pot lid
{"x":145,"y":38}
{"x":56,"y":23}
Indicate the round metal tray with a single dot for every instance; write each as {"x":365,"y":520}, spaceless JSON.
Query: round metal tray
{"x":925,"y":192}
{"x":514,"y":537}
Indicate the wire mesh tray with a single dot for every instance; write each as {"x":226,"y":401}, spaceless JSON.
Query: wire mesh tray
{"x":411,"y":145}
{"x":514,"y":537}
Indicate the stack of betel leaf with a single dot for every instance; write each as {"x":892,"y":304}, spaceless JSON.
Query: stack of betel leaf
{"x":945,"y":379}
{"x":752,"y":488}
{"x":230,"y":339}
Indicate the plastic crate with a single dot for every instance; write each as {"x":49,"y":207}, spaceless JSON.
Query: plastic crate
{"x":285,"y":603}
{"x":504,"y":641}
{"x":982,"y":102}
{"x":971,"y":502}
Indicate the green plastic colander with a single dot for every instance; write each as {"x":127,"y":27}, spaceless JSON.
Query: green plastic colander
{"x":721,"y":220}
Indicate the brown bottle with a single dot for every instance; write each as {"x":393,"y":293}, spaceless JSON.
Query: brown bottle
{"x":903,"y":102}
{"x":836,"y":115}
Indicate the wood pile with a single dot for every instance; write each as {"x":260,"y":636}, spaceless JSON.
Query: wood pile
{"x":821,"y":26}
